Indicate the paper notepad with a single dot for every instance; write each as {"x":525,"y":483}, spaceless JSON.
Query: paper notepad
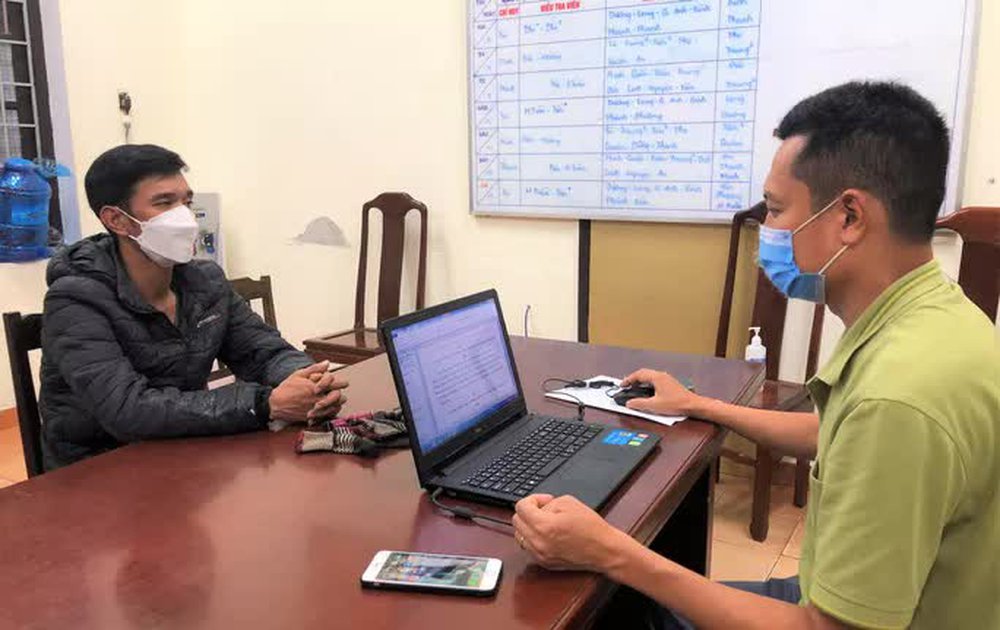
{"x":598,"y":398}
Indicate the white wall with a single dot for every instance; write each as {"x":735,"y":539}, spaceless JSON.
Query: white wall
{"x":982,"y":164}
{"x":293,"y":114}
{"x":110,"y":45}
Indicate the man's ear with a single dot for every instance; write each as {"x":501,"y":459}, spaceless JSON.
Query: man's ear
{"x":117,"y":223}
{"x":856,"y":215}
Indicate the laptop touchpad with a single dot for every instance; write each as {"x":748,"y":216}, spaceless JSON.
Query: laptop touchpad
{"x":585,"y":478}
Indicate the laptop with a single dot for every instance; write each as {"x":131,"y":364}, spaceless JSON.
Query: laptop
{"x":470,"y":430}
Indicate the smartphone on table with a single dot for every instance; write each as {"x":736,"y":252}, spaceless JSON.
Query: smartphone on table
{"x":406,"y":570}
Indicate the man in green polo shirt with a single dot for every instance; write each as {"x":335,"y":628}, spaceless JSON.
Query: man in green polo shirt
{"x":903,"y":522}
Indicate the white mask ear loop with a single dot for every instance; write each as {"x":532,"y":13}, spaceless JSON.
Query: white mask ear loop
{"x":813,"y":218}
{"x":129,"y":216}
{"x":840,"y":253}
{"x":816,"y":216}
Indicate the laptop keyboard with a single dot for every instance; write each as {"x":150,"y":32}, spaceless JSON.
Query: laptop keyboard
{"x":535,"y":457}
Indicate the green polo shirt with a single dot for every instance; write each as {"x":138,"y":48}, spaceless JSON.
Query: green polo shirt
{"x":903,"y":523}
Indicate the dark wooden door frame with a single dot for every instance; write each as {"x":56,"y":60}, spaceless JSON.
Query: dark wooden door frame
{"x":583,"y":284}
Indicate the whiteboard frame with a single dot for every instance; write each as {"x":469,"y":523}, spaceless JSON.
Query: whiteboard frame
{"x":954,"y":182}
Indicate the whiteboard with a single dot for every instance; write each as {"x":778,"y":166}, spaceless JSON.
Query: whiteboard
{"x":665,"y":111}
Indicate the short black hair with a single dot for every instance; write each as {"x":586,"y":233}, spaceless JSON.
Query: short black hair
{"x":112,"y":178}
{"x":881,"y":137}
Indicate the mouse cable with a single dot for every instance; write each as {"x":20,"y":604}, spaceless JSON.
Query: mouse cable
{"x":578,"y":383}
{"x":580,"y":407}
{"x":575,"y":383}
{"x":613,"y":391}
{"x":465,"y":513}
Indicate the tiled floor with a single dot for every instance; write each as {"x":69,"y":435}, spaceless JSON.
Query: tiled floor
{"x":11,"y":458}
{"x":735,"y":556}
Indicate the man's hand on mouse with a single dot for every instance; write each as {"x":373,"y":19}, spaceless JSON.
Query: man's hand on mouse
{"x":671,"y":398}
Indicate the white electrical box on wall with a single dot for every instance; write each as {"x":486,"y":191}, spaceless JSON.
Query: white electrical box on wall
{"x":208,"y":246}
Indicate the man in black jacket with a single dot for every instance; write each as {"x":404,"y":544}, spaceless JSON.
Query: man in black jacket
{"x":132,"y":326}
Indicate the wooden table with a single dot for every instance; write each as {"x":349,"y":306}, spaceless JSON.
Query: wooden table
{"x":240,"y":532}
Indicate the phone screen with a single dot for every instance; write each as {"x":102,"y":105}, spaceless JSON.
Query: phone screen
{"x":432,"y":570}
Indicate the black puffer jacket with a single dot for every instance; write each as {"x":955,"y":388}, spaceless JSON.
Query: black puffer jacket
{"x":115,"y":370}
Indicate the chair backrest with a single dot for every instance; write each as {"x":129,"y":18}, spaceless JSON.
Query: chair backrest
{"x":23,"y":335}
{"x":979,"y":270}
{"x":394,"y":207}
{"x":769,"y":305}
{"x":250,"y":290}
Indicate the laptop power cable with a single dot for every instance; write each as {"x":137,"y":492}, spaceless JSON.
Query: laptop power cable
{"x":465,"y":513}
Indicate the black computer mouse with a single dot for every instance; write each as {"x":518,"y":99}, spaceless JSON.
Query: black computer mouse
{"x":635,"y":390}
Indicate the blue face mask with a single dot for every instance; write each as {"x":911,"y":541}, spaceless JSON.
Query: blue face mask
{"x":777,"y":259}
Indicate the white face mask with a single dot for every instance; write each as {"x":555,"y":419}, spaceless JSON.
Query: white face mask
{"x":168,"y":239}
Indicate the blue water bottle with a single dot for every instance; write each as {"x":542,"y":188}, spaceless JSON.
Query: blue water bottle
{"x":24,"y":211}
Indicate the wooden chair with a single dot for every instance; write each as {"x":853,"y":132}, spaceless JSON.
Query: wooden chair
{"x":250,"y":290}
{"x":361,"y":342}
{"x":979,"y":269}
{"x":769,"y":310}
{"x":24,"y":334}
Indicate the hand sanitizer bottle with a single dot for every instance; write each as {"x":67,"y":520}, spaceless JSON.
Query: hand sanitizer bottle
{"x":755,"y":352}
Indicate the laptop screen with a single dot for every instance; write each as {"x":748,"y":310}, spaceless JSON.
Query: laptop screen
{"x":455,"y":370}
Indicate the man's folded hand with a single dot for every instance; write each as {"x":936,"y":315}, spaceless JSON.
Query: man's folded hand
{"x":310,"y":393}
